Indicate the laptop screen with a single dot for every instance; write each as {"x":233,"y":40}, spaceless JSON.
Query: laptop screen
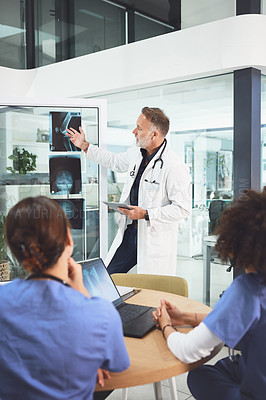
{"x":98,"y":282}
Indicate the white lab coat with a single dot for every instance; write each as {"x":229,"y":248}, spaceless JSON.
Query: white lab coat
{"x":164,"y":191}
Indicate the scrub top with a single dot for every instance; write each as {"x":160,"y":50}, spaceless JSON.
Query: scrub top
{"x":53,"y":340}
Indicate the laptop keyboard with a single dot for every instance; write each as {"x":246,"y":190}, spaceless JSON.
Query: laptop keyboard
{"x":128,"y":312}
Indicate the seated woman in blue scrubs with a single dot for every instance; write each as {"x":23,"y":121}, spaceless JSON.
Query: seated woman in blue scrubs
{"x":239,"y":317}
{"x":54,"y":338}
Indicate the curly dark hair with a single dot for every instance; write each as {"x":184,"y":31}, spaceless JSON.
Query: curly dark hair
{"x":157,"y":117}
{"x":242,"y":232}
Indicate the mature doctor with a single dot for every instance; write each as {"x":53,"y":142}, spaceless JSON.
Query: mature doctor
{"x":158,"y":191}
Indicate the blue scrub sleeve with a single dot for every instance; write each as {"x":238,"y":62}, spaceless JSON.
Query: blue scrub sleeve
{"x":236,"y":311}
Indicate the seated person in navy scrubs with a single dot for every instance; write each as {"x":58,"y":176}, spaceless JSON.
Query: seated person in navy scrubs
{"x":239,"y":317}
{"x":54,"y":338}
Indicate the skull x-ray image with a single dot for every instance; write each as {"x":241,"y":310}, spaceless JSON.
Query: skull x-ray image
{"x":74,"y":209}
{"x":65,"y":174}
{"x":59,"y":123}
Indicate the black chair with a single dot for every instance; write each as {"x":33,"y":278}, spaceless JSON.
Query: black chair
{"x":216,"y":208}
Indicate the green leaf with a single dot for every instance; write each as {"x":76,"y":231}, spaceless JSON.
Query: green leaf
{"x":23,"y":161}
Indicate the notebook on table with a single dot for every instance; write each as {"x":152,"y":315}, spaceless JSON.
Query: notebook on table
{"x":137,"y":320}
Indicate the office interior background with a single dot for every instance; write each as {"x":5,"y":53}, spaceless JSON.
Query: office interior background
{"x":201,"y":61}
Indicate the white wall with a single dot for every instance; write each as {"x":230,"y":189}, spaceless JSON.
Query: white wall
{"x":205,"y":50}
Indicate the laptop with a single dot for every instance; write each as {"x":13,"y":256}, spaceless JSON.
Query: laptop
{"x":137,"y":320}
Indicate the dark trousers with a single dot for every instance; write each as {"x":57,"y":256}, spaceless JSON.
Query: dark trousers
{"x":220,"y":381}
{"x":125,"y":256}
{"x":101,"y":395}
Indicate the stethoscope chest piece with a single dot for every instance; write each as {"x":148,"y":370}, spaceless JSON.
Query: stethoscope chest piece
{"x":132,"y":173}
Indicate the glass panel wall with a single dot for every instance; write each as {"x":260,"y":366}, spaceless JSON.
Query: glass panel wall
{"x":37,"y":158}
{"x":97,"y":26}
{"x":65,"y":29}
{"x":146,"y":28}
{"x":45,"y":32}
{"x":71,"y":29}
{"x":12,"y":34}
{"x":195,"y":12}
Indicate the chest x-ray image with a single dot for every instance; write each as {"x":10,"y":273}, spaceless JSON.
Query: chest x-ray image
{"x":74,"y":209}
{"x":65,"y":174}
{"x":59,"y":122}
{"x":98,"y":283}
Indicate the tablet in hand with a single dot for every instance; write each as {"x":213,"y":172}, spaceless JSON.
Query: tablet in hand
{"x":114,"y":205}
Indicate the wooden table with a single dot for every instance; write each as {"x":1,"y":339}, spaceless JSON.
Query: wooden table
{"x":150,"y":359}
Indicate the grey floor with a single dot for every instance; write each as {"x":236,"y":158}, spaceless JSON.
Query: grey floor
{"x":191,"y":270}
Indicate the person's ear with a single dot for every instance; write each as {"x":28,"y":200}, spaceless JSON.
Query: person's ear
{"x":155,"y":134}
{"x":69,"y":241}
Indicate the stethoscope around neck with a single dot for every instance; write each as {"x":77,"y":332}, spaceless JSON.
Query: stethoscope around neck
{"x":132,"y":173}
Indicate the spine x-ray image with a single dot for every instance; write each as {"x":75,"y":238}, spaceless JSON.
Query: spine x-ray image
{"x":59,"y":123}
{"x":74,"y":209}
{"x":65,"y":174}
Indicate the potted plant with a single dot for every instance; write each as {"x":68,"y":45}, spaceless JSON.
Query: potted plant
{"x":23,"y":161}
{"x":4,"y":263}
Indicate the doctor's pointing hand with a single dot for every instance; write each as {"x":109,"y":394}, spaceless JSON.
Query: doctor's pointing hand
{"x":78,"y":138}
